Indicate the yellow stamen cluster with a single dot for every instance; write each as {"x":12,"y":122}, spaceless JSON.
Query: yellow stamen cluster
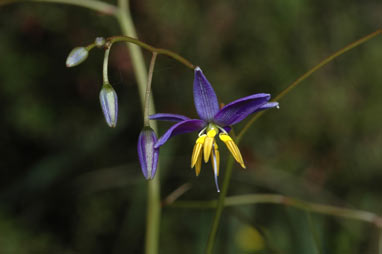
{"x":210,"y":150}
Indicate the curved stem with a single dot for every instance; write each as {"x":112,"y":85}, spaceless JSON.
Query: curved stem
{"x":95,"y":5}
{"x":105,"y":65}
{"x":153,"y":192}
{"x":307,"y":74}
{"x":159,"y":51}
{"x":252,"y":199}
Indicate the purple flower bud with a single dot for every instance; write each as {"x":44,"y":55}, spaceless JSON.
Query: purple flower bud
{"x":109,"y":103}
{"x":76,"y":56}
{"x":148,"y":155}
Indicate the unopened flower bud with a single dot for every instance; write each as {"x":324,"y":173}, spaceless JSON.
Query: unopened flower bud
{"x":76,"y":56}
{"x":109,"y":103}
{"x":99,"y":42}
{"x":148,"y":155}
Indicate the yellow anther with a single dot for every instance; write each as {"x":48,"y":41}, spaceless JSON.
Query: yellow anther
{"x":198,"y":164}
{"x":197,"y":149}
{"x":201,"y":139}
{"x":212,"y":133}
{"x":208,"y":148}
{"x":224,"y":137}
{"x":232,"y":147}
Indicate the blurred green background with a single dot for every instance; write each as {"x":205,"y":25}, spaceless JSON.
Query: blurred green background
{"x":69,"y":184}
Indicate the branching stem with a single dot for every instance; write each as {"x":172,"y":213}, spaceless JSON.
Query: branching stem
{"x":148,"y":47}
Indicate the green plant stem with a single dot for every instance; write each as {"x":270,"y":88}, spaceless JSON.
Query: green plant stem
{"x":95,"y":5}
{"x":159,"y":51}
{"x":227,"y":176}
{"x":219,"y":207}
{"x":146,"y":120}
{"x":252,"y":199}
{"x":153,"y":191}
{"x":307,"y":74}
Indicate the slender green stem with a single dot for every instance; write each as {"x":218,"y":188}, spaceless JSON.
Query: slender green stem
{"x":307,"y":74}
{"x":220,"y":206}
{"x":159,"y":51}
{"x":146,"y":120}
{"x":95,"y":5}
{"x":252,"y":199}
{"x":153,"y":192}
{"x":105,"y":65}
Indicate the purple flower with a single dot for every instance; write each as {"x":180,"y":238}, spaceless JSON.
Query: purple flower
{"x":213,"y":121}
{"x":147,"y":153}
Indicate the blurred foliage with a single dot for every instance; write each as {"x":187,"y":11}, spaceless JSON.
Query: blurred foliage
{"x":69,"y":184}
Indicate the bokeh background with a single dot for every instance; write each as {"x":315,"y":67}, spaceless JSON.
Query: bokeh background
{"x":69,"y":184}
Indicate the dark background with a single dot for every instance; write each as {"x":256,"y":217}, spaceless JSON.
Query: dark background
{"x":70,"y":184}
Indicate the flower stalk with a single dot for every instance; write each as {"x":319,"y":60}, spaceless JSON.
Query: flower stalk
{"x":107,"y":96}
{"x":146,"y":120}
{"x":105,"y":74}
{"x":148,"y":47}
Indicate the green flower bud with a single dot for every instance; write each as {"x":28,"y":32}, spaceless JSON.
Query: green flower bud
{"x":109,"y":104}
{"x":76,"y":56}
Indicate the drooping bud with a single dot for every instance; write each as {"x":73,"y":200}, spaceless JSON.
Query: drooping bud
{"x":76,"y":56}
{"x":109,"y":103}
{"x":148,"y":155}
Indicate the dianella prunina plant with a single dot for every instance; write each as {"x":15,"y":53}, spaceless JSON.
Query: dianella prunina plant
{"x":214,"y":126}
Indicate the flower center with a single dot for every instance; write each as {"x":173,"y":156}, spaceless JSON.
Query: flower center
{"x":206,"y":147}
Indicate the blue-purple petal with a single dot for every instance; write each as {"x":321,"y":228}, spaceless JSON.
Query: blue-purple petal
{"x":179,"y":128}
{"x":168,"y":117}
{"x":238,"y":110}
{"x":206,"y":102}
{"x":267,"y":106}
{"x":147,"y":153}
